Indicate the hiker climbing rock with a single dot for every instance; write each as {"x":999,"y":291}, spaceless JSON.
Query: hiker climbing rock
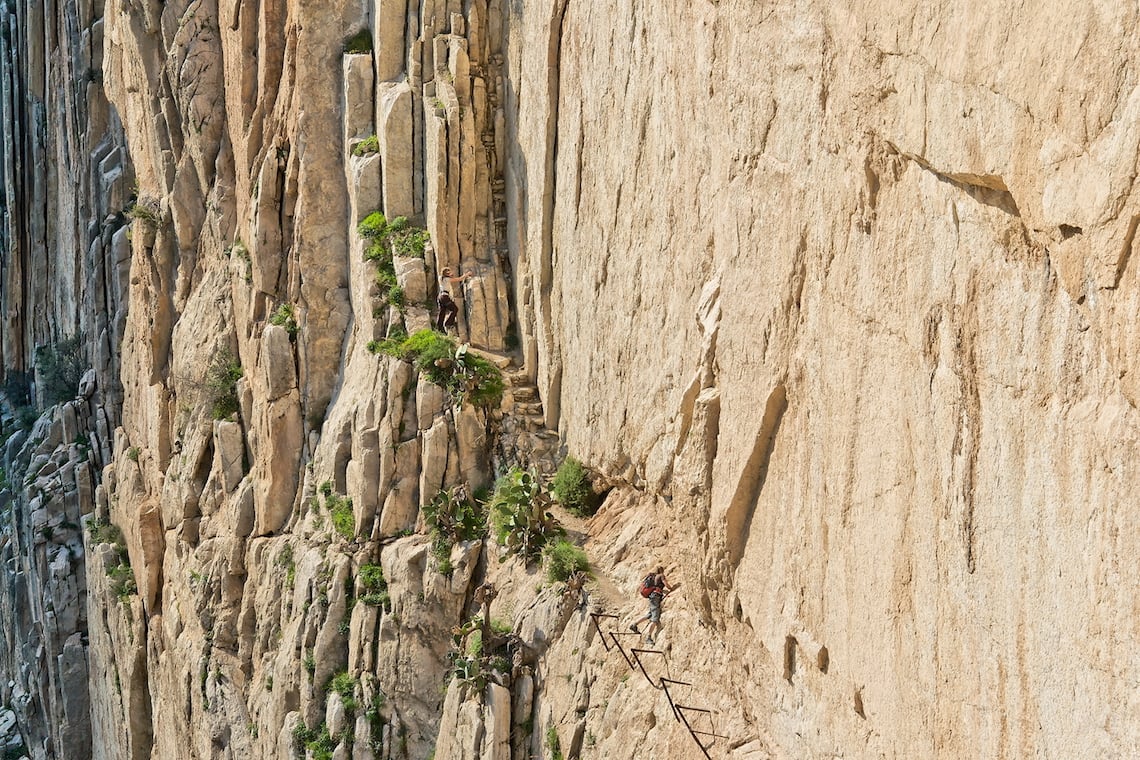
{"x":655,"y":588}
{"x":448,"y":309}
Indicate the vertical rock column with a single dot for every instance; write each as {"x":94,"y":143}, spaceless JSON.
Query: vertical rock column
{"x":439,"y":124}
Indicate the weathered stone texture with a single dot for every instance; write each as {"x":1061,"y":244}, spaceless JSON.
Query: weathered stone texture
{"x":834,"y":298}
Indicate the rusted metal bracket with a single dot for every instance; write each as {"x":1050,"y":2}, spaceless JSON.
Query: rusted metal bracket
{"x":698,"y":734}
{"x":637,"y":652}
{"x":597,"y":627}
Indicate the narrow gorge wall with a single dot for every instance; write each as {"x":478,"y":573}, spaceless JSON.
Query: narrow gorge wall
{"x":62,"y":291}
{"x":864,"y":273}
{"x":835,"y":300}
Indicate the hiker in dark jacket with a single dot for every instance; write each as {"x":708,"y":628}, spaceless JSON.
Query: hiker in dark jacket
{"x":448,"y":309}
{"x":659,"y":588}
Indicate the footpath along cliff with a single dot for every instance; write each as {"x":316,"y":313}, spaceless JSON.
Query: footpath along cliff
{"x":833,"y":302}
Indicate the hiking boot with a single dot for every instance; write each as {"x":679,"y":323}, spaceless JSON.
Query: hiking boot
{"x":649,"y":640}
{"x":633,"y":627}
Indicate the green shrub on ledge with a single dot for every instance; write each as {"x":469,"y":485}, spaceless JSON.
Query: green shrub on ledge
{"x":221,"y":384}
{"x":375,"y":587}
{"x":467,"y":376}
{"x":571,"y":486}
{"x":284,"y":316}
{"x":387,"y":236}
{"x":367,"y":146}
{"x":563,"y":559}
{"x":361,"y":42}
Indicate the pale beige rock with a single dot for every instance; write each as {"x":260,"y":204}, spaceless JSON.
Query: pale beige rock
{"x":277,"y":358}
{"x":842,"y":308}
{"x":276,"y":469}
{"x":412,"y":277}
{"x":358,"y":87}
{"x":394,"y":127}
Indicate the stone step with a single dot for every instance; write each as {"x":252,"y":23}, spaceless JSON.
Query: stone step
{"x":502,"y":361}
{"x":524,"y":393}
{"x":529,"y":409}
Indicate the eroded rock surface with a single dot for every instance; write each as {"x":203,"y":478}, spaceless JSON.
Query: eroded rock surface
{"x":835,"y":300}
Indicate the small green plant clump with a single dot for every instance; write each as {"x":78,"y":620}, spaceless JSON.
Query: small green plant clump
{"x":148,"y":211}
{"x":340,"y":508}
{"x":519,"y":516}
{"x":453,"y":518}
{"x":553,"y":743}
{"x":464,"y":374}
{"x":374,"y":587}
{"x":221,"y":384}
{"x":122,"y":577}
{"x":361,"y":42}
{"x":397,"y":297}
{"x":317,"y":742}
{"x":284,"y":316}
{"x":571,"y":486}
{"x":563,"y":559}
{"x":345,"y":685}
{"x":285,"y":560}
{"x":367,"y":146}
{"x":388,"y":236}
{"x":385,"y":240}
{"x":61,"y":367}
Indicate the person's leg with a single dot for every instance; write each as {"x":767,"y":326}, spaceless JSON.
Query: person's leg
{"x":441,"y":312}
{"x":654,"y":617}
{"x":452,"y":313}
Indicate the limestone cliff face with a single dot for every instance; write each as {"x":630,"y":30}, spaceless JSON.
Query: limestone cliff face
{"x":847,"y":292}
{"x":62,"y":291}
{"x":835,"y":300}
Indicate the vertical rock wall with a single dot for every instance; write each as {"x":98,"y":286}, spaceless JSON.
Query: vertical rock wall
{"x":835,"y":298}
{"x":62,"y":293}
{"x":843,"y":290}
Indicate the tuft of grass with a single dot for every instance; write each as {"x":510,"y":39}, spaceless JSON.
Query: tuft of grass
{"x":563,"y":559}
{"x":340,"y":508}
{"x":374,"y":587}
{"x":148,"y":211}
{"x":361,"y":42}
{"x":388,"y":236}
{"x":284,"y":316}
{"x":571,"y":487}
{"x":367,"y":146}
{"x":315,"y":741}
{"x":553,"y":743}
{"x":465,"y":375}
{"x":396,"y":297}
{"x":221,"y":384}
{"x":345,"y":685}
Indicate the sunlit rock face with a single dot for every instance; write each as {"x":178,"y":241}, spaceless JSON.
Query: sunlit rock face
{"x":835,"y":302}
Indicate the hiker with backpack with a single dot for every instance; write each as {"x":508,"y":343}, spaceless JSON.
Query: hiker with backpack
{"x":654,"y":588}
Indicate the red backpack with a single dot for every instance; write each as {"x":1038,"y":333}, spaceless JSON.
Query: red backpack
{"x":649,"y":585}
